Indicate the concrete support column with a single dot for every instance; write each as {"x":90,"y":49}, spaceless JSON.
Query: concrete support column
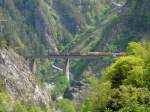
{"x":66,"y":69}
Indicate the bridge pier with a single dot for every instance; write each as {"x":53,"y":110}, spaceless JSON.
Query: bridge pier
{"x":66,"y":69}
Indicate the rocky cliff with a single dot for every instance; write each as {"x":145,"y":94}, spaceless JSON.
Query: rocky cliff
{"x":19,"y":81}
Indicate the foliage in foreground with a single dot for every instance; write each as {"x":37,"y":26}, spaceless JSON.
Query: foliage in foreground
{"x":65,"y":105}
{"x":125,"y":86}
{"x":7,"y":105}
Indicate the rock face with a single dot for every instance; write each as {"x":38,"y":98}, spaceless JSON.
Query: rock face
{"x":19,"y":81}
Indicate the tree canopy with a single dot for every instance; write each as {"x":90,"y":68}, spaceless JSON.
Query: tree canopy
{"x":125,"y":86}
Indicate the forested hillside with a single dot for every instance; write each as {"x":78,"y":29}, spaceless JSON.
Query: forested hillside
{"x":38,"y":24}
{"x":36,"y":27}
{"x":32,"y":28}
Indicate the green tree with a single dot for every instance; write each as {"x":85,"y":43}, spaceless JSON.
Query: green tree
{"x":19,"y":107}
{"x":6,"y":104}
{"x":32,"y":107}
{"x":98,"y":101}
{"x":65,"y":106}
{"x":126,"y":70}
{"x":125,"y":85}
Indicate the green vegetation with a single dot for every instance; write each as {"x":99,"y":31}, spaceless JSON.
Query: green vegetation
{"x":38,"y":26}
{"x":32,"y":20}
{"x":52,"y":77}
{"x":125,"y":86}
{"x":61,"y":85}
{"x":9,"y":105}
{"x":65,"y":106}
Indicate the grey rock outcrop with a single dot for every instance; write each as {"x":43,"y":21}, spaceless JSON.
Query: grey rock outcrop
{"x":19,"y":81}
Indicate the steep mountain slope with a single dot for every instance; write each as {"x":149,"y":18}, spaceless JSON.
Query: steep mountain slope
{"x":34,"y":24}
{"x":50,"y":25}
{"x":74,"y":25}
{"x":132,"y":24}
{"x":20,"y":83}
{"x":41,"y":24}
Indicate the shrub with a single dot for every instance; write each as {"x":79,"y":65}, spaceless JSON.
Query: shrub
{"x":65,"y":106}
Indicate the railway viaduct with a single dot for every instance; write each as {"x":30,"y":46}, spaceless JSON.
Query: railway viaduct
{"x":85,"y":55}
